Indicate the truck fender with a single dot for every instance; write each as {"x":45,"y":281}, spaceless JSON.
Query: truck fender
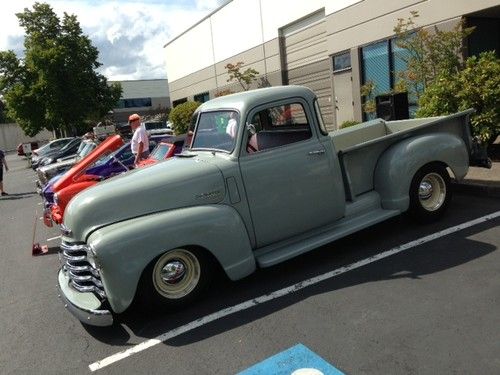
{"x":399,"y":163}
{"x":123,"y":250}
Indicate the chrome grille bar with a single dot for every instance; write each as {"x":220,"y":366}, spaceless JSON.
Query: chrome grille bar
{"x":83,"y":276}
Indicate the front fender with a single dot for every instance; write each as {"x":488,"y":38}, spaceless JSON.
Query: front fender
{"x":125,"y":249}
{"x":397,"y":166}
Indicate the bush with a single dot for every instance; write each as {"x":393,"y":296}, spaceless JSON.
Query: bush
{"x":477,"y":86}
{"x":348,"y":123}
{"x":180,"y":116}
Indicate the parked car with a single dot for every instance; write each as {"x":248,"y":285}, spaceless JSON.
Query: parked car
{"x":157,"y":127}
{"x":69,"y":149}
{"x":20,"y":148}
{"x":46,"y":172}
{"x":164,"y":150}
{"x":108,"y":146}
{"x":121,"y":161}
{"x":88,"y":179}
{"x":281,"y":187}
{"x":52,"y":146}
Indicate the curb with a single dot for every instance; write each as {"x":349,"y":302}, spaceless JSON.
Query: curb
{"x":477,"y":189}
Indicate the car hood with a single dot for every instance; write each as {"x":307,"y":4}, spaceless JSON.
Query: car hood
{"x":174,"y":183}
{"x":60,"y":164}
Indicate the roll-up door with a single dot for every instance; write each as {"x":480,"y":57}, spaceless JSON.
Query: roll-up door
{"x":306,"y":60}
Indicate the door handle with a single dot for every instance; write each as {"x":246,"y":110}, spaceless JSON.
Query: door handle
{"x":316,"y":152}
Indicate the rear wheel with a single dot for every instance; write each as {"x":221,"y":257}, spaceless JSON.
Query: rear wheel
{"x":430,"y":193}
{"x":175,"y":278}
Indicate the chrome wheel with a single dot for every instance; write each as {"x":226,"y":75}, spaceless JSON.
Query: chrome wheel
{"x":432,"y":191}
{"x":176,"y":274}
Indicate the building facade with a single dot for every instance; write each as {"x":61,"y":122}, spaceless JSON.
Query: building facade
{"x":333,"y":47}
{"x":141,"y":96}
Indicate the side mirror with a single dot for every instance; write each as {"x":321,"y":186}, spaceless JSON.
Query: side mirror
{"x":251,"y":129}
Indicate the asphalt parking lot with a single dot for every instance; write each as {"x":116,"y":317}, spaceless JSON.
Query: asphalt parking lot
{"x":431,"y":307}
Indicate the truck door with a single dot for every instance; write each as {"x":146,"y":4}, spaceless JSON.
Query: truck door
{"x":291,"y":182}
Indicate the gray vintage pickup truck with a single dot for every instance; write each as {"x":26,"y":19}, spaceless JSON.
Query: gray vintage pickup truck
{"x":263,"y":181}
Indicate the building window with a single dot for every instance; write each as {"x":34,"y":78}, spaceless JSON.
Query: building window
{"x":134,"y":103}
{"x":175,"y":103}
{"x":382,"y":64}
{"x":342,"y":62}
{"x":202,"y":98}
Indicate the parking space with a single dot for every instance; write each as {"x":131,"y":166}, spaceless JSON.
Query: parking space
{"x":395,"y":298}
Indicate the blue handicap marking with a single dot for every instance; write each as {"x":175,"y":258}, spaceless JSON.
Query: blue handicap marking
{"x":298,"y":360}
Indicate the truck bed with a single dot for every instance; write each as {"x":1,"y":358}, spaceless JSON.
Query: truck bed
{"x":360,"y":146}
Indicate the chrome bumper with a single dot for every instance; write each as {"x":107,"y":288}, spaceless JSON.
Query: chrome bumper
{"x":87,"y":315}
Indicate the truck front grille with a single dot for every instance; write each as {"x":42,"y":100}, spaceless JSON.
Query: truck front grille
{"x":84,"y":277}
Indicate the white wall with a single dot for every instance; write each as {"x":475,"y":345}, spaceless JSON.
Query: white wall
{"x":235,"y":28}
{"x":12,"y":134}
{"x":193,"y":51}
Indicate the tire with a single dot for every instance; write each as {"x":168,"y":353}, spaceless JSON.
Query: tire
{"x":175,"y":279}
{"x":430,"y":193}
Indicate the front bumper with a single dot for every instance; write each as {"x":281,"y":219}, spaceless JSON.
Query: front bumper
{"x":84,"y":306}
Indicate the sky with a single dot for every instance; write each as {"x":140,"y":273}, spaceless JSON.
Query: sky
{"x":129,"y":35}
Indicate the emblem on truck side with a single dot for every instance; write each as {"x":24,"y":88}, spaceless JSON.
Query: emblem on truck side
{"x":209,"y":195}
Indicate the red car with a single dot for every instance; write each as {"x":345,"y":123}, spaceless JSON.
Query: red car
{"x":164,"y":150}
{"x":75,"y":180}
{"x":20,"y":150}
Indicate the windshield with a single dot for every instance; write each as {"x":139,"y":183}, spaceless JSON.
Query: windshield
{"x":86,"y":149}
{"x":216,"y":131}
{"x":70,"y":144}
{"x":160,"y":151}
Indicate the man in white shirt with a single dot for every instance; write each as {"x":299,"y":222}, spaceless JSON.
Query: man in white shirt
{"x":140,"y":141}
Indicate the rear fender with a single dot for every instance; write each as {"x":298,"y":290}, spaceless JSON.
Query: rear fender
{"x":125,"y":249}
{"x":399,"y":163}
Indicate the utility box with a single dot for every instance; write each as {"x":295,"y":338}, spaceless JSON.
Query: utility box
{"x":392,"y":106}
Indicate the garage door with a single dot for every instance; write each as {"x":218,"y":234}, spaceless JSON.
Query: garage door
{"x":306,"y":60}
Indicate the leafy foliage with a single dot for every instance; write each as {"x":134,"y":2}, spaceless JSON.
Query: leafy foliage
{"x":428,"y":53}
{"x":245,"y":78}
{"x":476,"y":86}
{"x":180,"y":116}
{"x":348,"y":123}
{"x":55,"y":86}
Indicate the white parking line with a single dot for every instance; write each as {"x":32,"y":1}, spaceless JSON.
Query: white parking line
{"x":283,"y":292}
{"x":53,"y":238}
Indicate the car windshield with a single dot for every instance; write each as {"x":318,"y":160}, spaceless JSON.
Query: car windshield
{"x":160,"y":151}
{"x":87,"y":149}
{"x":70,"y":144}
{"x":216,"y":131}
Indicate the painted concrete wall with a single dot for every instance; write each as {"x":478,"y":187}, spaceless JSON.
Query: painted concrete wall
{"x":11,"y":135}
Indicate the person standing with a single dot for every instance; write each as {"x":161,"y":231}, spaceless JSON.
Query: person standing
{"x":140,"y":142}
{"x":3,"y":163}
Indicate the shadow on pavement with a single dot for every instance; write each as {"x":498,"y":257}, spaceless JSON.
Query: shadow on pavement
{"x":15,"y":196}
{"x":223,"y":293}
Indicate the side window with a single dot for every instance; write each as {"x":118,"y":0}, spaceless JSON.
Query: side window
{"x":278,"y":126}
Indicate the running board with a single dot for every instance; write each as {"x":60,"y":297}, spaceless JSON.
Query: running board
{"x":281,"y":251}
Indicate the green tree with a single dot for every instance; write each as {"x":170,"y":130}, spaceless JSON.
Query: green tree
{"x":427,"y":53}
{"x":244,"y":78}
{"x":56,"y":85}
{"x":180,"y":116}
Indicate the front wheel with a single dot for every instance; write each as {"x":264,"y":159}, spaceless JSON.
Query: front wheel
{"x":175,"y":278}
{"x":430,"y":193}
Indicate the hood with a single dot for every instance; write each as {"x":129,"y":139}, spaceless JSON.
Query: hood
{"x":109,"y":145}
{"x":174,"y":183}
{"x":60,"y":164}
